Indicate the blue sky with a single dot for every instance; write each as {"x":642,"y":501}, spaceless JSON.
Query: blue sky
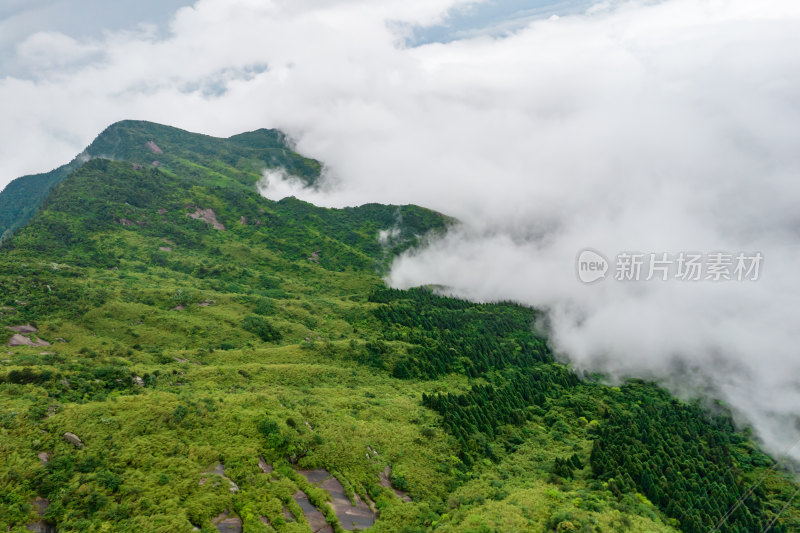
{"x":495,"y":17}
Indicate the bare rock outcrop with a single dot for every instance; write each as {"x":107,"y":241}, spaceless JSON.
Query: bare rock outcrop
{"x":264,"y":465}
{"x":73,"y":439}
{"x":208,"y":216}
{"x":225,"y":523}
{"x":154,"y":148}
{"x":22,"y":340}
{"x":40,"y":525}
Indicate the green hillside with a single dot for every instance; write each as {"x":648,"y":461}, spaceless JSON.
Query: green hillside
{"x":182,"y":354}
{"x":242,"y":156}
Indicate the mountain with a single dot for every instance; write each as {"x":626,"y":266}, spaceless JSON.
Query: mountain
{"x":184,"y":354}
{"x":242,"y":155}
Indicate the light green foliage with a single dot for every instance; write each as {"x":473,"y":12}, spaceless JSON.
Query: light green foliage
{"x":177,"y":346}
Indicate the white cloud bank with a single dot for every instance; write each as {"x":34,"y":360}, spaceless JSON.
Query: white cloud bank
{"x":650,"y":127}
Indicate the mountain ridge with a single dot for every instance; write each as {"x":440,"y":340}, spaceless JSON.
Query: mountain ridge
{"x":129,"y":140}
{"x":185,"y":354}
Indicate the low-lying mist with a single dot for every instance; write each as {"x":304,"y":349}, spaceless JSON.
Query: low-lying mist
{"x":660,"y":129}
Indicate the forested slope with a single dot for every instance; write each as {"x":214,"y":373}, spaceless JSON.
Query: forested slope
{"x":208,"y":352}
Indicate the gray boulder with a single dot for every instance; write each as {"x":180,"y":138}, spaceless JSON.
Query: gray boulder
{"x":73,"y":439}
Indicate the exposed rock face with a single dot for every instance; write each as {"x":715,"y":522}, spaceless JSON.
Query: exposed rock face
{"x":315,"y":477}
{"x":316,"y":520}
{"x":21,"y":340}
{"x":230,"y":525}
{"x":40,"y":526}
{"x":359,"y":516}
{"x":208,"y":216}
{"x":165,"y":248}
{"x":154,"y":148}
{"x":264,"y":466}
{"x":73,"y":439}
{"x":227,"y":524}
{"x":44,"y":457}
{"x":138,"y":381}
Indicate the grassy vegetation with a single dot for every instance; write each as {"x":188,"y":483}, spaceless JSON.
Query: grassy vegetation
{"x":176,"y":345}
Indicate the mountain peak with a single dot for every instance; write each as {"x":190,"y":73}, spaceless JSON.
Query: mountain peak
{"x":148,"y":144}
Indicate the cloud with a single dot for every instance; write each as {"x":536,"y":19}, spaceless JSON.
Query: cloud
{"x":45,"y":50}
{"x":647,"y":127}
{"x":79,"y":19}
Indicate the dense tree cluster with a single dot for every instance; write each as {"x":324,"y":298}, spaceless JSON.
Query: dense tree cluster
{"x":565,"y":467}
{"x":453,"y":335}
{"x":680,"y":459}
{"x":473,"y":418}
{"x":261,"y":327}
